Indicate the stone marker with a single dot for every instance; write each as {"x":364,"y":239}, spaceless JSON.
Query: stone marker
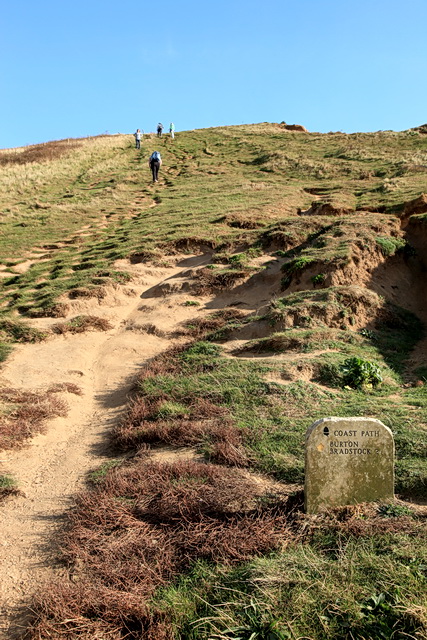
{"x":347,"y":461}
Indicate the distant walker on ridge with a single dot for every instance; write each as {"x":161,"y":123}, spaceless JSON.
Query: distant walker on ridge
{"x":154,"y":163}
{"x":138,"y":136}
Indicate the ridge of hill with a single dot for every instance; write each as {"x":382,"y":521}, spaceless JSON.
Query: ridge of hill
{"x":193,"y":330}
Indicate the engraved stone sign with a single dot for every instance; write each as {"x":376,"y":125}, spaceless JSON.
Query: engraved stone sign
{"x":347,"y":461}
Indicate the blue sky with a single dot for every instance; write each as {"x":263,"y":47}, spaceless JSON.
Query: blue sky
{"x":85,"y":67}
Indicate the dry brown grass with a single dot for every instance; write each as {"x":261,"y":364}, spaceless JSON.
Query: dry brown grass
{"x":80,"y":324}
{"x":7,"y":492}
{"x":201,"y":327}
{"x":68,"y":387}
{"x":200,"y":422}
{"x":87,"y":292}
{"x":144,"y":525}
{"x":147,"y":327}
{"x":57,"y":310}
{"x":285,"y":236}
{"x":24,"y":414}
{"x":209,"y":281}
{"x":39,"y":152}
{"x":282,"y":342}
{"x":151,"y":521}
{"x":361,"y":520}
{"x":89,"y":611}
{"x":204,"y":423}
{"x":166,"y":363}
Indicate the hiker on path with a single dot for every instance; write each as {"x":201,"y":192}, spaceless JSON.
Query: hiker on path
{"x":138,"y":136}
{"x":154,"y":163}
{"x":172,"y":130}
{"x":159,"y":129}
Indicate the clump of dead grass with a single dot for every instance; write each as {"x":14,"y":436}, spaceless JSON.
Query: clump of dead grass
{"x":8,"y":487}
{"x":80,"y":324}
{"x":150,"y":522}
{"x":87,"y":292}
{"x":291,"y":233}
{"x":155,"y":418}
{"x":147,"y":327}
{"x":88,"y":610}
{"x":210,"y":281}
{"x":166,"y":363}
{"x":144,"y":525}
{"x":153,"y":256}
{"x":24,"y":414}
{"x":55,"y":310}
{"x":201,"y":423}
{"x":201,"y":327}
{"x":68,"y":387}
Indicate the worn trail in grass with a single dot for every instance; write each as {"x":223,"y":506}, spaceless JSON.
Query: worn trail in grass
{"x":53,"y":467}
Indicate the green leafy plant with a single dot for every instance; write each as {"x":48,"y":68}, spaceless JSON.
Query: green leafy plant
{"x":358,"y":373}
{"x":319,"y":278}
{"x":367,"y":333}
{"x":394,"y":510}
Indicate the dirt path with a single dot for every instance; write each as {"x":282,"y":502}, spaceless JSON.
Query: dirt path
{"x":53,"y":467}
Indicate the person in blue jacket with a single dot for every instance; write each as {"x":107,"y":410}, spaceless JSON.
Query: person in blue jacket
{"x":154,"y":163}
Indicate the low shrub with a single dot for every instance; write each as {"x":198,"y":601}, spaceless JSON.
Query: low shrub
{"x":358,"y":373}
{"x":390,"y":245}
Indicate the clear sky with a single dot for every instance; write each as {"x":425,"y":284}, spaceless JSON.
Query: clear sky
{"x":72,"y":68}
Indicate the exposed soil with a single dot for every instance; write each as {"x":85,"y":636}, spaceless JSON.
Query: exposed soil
{"x":53,"y":466}
{"x":145,"y":317}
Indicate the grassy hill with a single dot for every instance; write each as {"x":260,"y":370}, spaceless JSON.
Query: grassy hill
{"x":310,"y":303}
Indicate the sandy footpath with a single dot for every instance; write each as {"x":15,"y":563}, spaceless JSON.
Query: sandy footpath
{"x":52,"y":467}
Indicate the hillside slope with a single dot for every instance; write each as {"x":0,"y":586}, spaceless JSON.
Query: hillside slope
{"x":225,"y":300}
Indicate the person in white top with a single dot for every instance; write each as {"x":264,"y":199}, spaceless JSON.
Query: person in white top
{"x":138,"y":136}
